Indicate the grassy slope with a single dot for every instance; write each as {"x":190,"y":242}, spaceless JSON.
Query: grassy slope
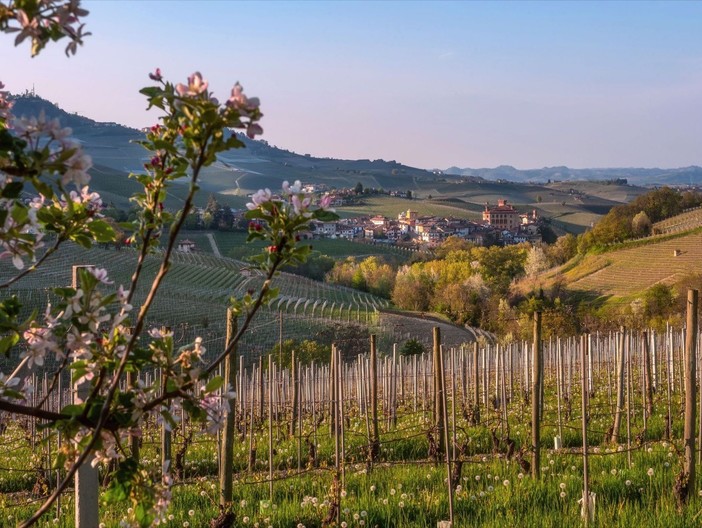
{"x":628,"y":271}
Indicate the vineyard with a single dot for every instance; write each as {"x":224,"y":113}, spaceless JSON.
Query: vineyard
{"x":196,"y":293}
{"x":388,"y":440}
{"x":631,"y":270}
{"x":688,"y":220}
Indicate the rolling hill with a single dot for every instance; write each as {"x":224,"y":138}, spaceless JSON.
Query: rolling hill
{"x":572,"y":206}
{"x":628,"y":269}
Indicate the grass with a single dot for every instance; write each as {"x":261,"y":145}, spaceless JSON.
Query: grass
{"x":404,"y":489}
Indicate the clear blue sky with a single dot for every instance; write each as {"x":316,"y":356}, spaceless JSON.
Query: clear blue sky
{"x":431,"y":84}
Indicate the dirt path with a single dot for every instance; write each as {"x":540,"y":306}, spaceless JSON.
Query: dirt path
{"x":213,"y":243}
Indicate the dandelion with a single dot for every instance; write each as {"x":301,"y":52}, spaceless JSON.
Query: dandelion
{"x":242,"y":503}
{"x":361,"y":522}
{"x":186,"y":524}
{"x":613,"y":472}
{"x":628,"y":483}
{"x":364,"y":513}
{"x":650,"y":472}
{"x":372,"y":488}
{"x":562,"y":485}
{"x":245,"y":520}
{"x":356,"y":516}
{"x":203,"y":493}
{"x":490,"y":488}
{"x":130,"y":510}
{"x":477,"y":478}
{"x":520,"y":476}
{"x":191,"y":513}
{"x":343,"y":524}
{"x":392,"y":491}
{"x":385,"y":502}
{"x":563,"y":494}
{"x":401,"y":504}
{"x":505,"y":483}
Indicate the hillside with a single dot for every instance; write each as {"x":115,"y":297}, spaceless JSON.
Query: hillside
{"x":636,"y":176}
{"x":629,"y":271}
{"x":572,"y":206}
{"x":195,"y":294}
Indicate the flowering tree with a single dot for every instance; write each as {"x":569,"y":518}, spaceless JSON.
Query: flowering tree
{"x":93,"y":332}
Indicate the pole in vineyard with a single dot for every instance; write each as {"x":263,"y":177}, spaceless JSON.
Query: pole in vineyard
{"x":295,"y":393}
{"x":439,"y":423}
{"x":86,"y":479}
{"x":685,"y":483}
{"x":648,"y":374}
{"x":375,"y":440}
{"x":476,"y":384}
{"x":535,"y":417}
{"x":587,"y":514}
{"x":621,"y":354}
{"x":226,"y":473}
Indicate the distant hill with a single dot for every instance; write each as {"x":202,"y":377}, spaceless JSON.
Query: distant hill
{"x":572,"y":206}
{"x":636,"y":176}
{"x":239,"y":172}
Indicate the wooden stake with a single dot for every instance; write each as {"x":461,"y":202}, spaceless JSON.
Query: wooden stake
{"x":586,"y":489}
{"x":690,"y":399}
{"x":535,"y":418}
{"x":439,"y":422}
{"x":375,"y":439}
{"x":226,"y":473}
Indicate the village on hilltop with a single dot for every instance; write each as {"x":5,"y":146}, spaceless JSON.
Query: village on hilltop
{"x":501,"y":224}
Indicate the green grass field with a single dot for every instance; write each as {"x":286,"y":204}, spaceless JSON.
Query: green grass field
{"x":403,"y":488}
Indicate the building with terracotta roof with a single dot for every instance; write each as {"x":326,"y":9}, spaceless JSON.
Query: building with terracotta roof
{"x":502,"y":215}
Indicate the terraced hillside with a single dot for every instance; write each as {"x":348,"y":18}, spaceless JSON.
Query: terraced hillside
{"x":685,"y":221}
{"x":627,"y":272}
{"x":194,"y":297}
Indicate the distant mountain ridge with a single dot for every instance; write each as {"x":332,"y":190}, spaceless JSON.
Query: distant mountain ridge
{"x":241,"y":172}
{"x":636,"y":176}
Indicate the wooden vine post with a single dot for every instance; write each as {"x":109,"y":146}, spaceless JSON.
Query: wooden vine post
{"x":621,"y":355}
{"x":375,"y":440}
{"x":584,"y":400}
{"x":690,"y":397}
{"x":295,"y":393}
{"x":476,"y":384}
{"x":226,"y":468}
{"x":535,"y":400}
{"x":439,"y":423}
{"x":87,"y":486}
{"x":648,"y":375}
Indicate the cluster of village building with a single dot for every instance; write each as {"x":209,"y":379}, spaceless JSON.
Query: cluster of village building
{"x":501,"y":223}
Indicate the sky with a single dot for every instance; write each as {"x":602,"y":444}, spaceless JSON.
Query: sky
{"x":428,"y":84}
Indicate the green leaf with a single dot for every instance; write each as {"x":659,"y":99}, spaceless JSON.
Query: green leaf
{"x":8,"y":342}
{"x":73,"y":409}
{"x":12,"y":190}
{"x":102,"y":231}
{"x":214,"y":384}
